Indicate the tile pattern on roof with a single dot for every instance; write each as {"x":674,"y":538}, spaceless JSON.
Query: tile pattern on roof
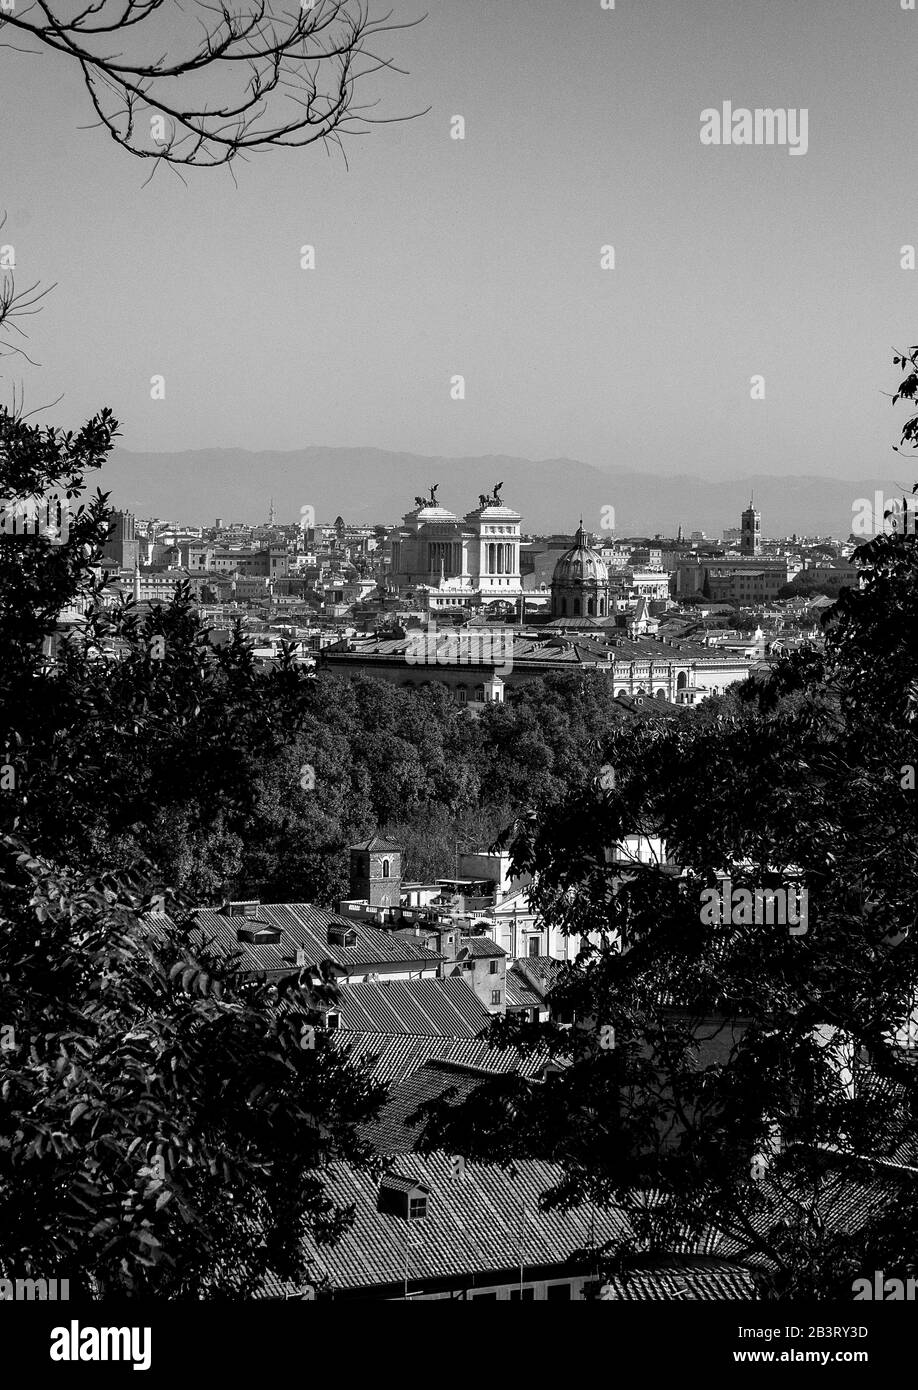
{"x":305,"y":927}
{"x":398,"y":1056}
{"x":529,"y":980}
{"x":448,"y":1008}
{"x":477,"y":947}
{"x":473,"y":1224}
{"x":390,"y":1133}
{"x":377,"y":844}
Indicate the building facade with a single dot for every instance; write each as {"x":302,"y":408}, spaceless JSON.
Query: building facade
{"x":458,"y":563}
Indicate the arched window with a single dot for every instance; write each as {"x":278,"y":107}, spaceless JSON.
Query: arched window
{"x":479,"y":692}
{"x":661,"y":694}
{"x":576,"y":608}
{"x":385,"y":868}
{"x":564,"y":608}
{"x":591,"y":607}
{"x":623,"y":692}
{"x":681,"y":681}
{"x":602,"y":608}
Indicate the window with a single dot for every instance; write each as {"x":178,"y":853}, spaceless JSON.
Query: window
{"x":385,"y":868}
{"x":527,"y":1295}
{"x":417,"y":1208}
{"x":493,"y":967}
{"x":534,"y":945}
{"x":495,"y":996}
{"x":553,"y":1291}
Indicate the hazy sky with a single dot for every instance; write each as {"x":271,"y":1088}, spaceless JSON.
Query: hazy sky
{"x":482,"y":257}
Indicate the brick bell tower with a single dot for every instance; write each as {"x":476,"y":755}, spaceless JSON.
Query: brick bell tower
{"x":376,"y":872}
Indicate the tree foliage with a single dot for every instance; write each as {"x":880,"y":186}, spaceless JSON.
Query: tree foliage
{"x":733,"y":1083}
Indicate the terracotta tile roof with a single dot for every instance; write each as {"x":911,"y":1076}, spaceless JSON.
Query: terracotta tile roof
{"x":473,"y":1224}
{"x":390,"y":1133}
{"x":397,"y":1057}
{"x":519,"y":993}
{"x":305,"y":927}
{"x":529,"y":980}
{"x":698,"y":1278}
{"x":448,"y":1008}
{"x":477,"y":947}
{"x":377,"y":843}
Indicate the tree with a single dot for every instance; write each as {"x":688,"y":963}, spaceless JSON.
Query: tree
{"x":202,"y":85}
{"x":732,"y":1082}
{"x":164,"y":1119}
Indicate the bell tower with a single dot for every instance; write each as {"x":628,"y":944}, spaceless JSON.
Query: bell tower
{"x":751,"y":533}
{"x":376,"y":872}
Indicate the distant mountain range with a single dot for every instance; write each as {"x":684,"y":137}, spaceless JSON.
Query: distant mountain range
{"x":374,"y":485}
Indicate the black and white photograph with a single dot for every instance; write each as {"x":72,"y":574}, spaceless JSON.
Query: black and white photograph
{"x":458,"y":680}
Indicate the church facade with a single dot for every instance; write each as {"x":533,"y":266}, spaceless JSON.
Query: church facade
{"x":471,"y":562}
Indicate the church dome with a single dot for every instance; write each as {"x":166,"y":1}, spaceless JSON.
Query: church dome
{"x":580,"y":565}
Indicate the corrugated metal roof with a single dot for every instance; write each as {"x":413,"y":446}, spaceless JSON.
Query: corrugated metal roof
{"x":450,"y":1008}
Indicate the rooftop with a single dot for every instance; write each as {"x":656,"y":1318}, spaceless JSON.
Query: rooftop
{"x":397,"y":1056}
{"x":475,"y":1225}
{"x":425,"y":1008}
{"x":304,"y":927}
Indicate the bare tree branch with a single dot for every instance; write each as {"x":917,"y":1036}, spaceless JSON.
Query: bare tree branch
{"x":204,"y":83}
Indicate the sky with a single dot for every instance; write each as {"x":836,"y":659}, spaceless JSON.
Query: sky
{"x":480,"y":257}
